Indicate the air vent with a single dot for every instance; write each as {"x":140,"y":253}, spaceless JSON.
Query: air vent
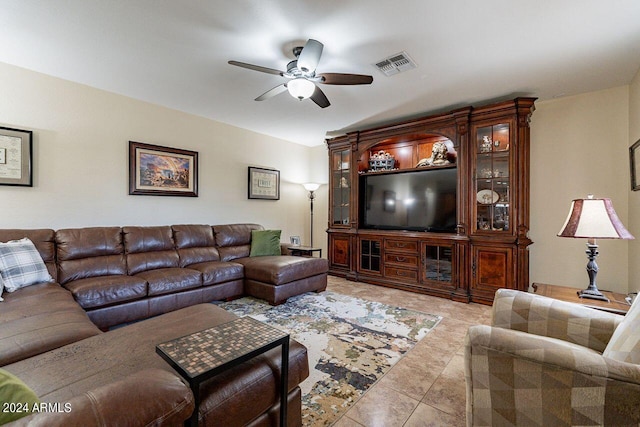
{"x":395,"y":64}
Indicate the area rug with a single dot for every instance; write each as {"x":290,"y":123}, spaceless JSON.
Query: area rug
{"x":351,"y":343}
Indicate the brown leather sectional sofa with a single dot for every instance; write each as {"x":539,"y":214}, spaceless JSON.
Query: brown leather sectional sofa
{"x":51,"y":334}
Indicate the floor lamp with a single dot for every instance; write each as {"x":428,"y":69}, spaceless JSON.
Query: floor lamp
{"x":311,"y":187}
{"x":593,"y":219}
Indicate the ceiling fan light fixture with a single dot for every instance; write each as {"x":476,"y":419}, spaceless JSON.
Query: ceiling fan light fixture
{"x":301,"y":88}
{"x":302,"y":77}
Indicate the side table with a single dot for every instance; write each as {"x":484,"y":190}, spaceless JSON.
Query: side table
{"x":202,"y":355}
{"x":617,"y":303}
{"x":304,"y":251}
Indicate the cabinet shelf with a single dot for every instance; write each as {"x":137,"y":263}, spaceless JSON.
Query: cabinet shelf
{"x":403,"y":170}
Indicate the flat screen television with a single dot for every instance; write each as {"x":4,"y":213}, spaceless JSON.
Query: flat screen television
{"x":416,"y":200}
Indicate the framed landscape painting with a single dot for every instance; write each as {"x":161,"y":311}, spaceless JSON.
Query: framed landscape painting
{"x":162,"y":171}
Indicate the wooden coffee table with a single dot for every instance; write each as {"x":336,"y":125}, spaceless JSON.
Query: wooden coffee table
{"x":617,"y":303}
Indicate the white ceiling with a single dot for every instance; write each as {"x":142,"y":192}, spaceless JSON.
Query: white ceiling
{"x":175,"y":53}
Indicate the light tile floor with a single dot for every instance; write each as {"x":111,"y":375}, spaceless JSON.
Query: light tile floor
{"x":426,"y":387}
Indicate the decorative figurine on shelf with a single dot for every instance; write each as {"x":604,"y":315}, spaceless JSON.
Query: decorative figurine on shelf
{"x":439,"y":156}
{"x":343,"y":182}
{"x":485,"y":147}
{"x":483,"y":224}
{"x":486,"y":173}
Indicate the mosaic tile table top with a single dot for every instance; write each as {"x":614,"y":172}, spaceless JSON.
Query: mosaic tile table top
{"x":203,"y":351}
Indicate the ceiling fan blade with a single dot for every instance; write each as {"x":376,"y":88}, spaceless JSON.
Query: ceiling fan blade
{"x":345,"y":79}
{"x":310,"y":56}
{"x":320,"y":98}
{"x":272,"y":92}
{"x":257,"y":68}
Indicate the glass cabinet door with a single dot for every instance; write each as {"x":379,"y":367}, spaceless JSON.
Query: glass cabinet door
{"x":492,"y":178}
{"x":341,"y":186}
{"x":370,"y":255}
{"x":437,"y":263}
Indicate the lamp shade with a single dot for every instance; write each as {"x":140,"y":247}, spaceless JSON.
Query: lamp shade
{"x":301,"y":88}
{"x":593,"y":219}
{"x":311,"y":186}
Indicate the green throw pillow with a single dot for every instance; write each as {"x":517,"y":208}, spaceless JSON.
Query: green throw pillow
{"x":16,"y":398}
{"x":265,"y":242}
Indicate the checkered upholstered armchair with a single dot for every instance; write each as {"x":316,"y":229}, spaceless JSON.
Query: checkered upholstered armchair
{"x":551,"y":363}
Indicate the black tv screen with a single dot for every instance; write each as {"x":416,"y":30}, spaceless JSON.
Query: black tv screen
{"x":422,"y":200}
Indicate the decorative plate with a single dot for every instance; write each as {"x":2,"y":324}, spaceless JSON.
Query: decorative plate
{"x":487,"y":197}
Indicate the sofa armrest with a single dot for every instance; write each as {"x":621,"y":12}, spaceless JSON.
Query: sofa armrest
{"x":517,"y":378}
{"x":149,"y":397}
{"x":539,"y":315}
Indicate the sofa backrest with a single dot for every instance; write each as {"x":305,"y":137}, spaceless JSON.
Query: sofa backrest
{"x":89,"y":252}
{"x":195,"y":243}
{"x":76,"y":253}
{"x":149,"y":248}
{"x":234,"y":240}
{"x":43,"y":239}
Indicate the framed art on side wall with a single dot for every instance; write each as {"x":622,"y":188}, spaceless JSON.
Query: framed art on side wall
{"x":162,"y":171}
{"x":264,"y":183}
{"x":634,"y":162}
{"x":16,"y":147}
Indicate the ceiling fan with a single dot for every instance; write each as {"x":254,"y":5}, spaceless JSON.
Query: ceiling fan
{"x":301,"y":73}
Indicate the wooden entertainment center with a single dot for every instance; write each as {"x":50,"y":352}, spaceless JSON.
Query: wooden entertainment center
{"x":405,"y":228}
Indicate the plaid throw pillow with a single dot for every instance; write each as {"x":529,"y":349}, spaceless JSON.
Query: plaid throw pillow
{"x":21,"y":265}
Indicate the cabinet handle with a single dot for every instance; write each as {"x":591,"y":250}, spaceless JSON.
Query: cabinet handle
{"x":400,"y":245}
{"x":400,"y":259}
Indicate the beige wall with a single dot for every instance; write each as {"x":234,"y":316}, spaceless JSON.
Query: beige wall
{"x":81,"y":162}
{"x":634,"y":196}
{"x":579,"y":146}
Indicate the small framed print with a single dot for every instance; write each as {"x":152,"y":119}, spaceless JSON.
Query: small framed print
{"x":162,"y":171}
{"x":264,"y":183}
{"x":295,"y":240}
{"x":15,"y":157}
{"x":634,"y":163}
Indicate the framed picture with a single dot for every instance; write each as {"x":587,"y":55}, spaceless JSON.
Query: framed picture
{"x":295,"y":240}
{"x":264,"y":183}
{"x":162,"y":171}
{"x":634,"y":161}
{"x":16,"y":157}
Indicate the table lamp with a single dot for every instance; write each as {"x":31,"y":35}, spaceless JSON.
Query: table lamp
{"x":593,"y":219}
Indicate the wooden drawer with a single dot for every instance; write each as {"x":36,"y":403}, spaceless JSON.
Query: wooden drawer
{"x":401,"y":259}
{"x":409,"y":246}
{"x":400,"y":273}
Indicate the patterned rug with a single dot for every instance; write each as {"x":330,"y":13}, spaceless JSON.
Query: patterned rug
{"x":351,"y":343}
